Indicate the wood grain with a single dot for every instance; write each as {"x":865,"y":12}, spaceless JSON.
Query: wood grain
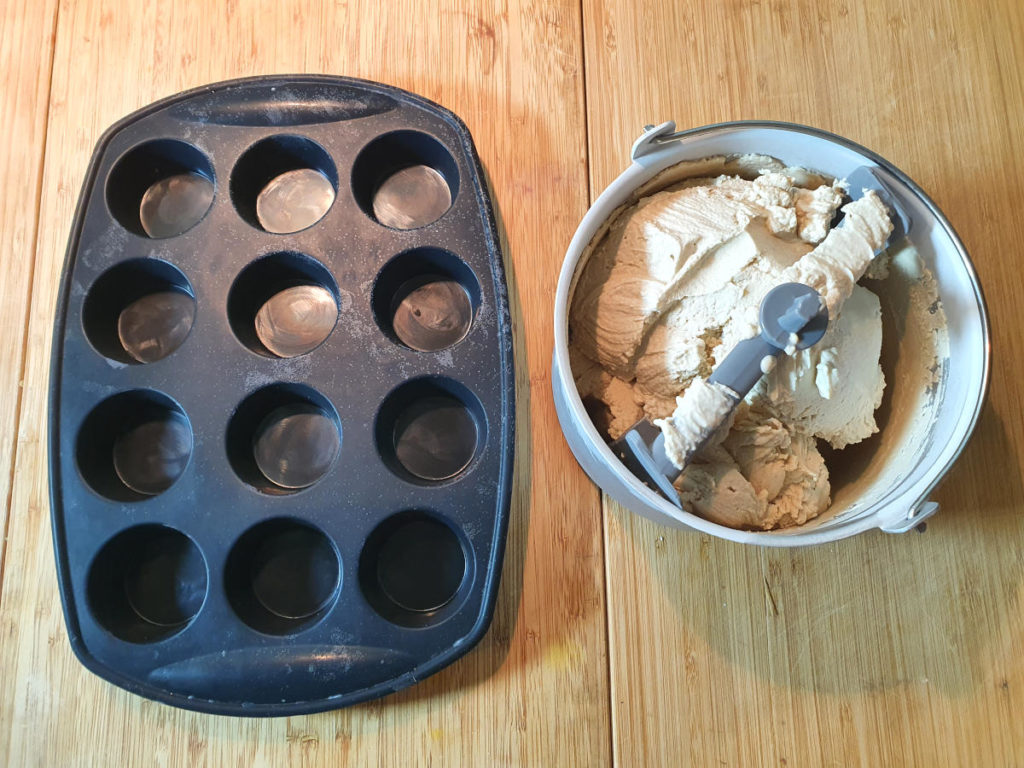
{"x":26,"y":55}
{"x":878,"y":650}
{"x":535,"y":690}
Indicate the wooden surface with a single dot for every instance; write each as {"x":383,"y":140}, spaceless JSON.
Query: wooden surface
{"x":878,"y":650}
{"x":614,"y":640}
{"x":26,"y":51}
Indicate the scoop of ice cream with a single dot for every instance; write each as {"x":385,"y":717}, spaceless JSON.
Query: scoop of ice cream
{"x":815,"y":209}
{"x":763,"y":475}
{"x":832,"y":389}
{"x":695,"y":242}
{"x":599,"y":388}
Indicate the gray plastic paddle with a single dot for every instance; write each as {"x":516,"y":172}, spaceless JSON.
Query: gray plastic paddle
{"x":866,"y":178}
{"x":792,"y":316}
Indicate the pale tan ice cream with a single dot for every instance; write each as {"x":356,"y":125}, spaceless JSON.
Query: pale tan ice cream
{"x":677,"y":281}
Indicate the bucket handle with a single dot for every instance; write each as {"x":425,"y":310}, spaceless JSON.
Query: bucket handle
{"x":652,"y":137}
{"x":918,"y":514}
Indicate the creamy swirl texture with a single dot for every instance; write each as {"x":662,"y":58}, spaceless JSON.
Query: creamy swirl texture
{"x":676,"y":282}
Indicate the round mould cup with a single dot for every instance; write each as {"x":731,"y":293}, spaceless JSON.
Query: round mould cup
{"x":895,"y":500}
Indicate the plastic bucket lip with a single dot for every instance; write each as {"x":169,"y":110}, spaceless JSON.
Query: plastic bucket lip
{"x":574,"y":419}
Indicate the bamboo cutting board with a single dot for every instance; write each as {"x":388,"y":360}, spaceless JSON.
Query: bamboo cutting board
{"x":614,"y":640}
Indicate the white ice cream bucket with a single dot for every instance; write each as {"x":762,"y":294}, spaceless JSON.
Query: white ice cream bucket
{"x":912,"y":454}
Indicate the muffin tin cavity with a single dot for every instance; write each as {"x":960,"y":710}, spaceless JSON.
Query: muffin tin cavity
{"x":134,"y":445}
{"x":426,"y":299}
{"x":283,"y":438}
{"x":283,"y":305}
{"x":412,"y":568}
{"x":405,"y":180}
{"x":161,"y":188}
{"x":429,"y":430}
{"x":147,"y":583}
{"x":139,"y":311}
{"x":282,"y":576}
{"x":284,"y":184}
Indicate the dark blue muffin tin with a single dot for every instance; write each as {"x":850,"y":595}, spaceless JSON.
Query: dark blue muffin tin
{"x":215,"y":588}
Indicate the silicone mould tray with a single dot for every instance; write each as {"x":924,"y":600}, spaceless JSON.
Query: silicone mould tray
{"x":243,"y":525}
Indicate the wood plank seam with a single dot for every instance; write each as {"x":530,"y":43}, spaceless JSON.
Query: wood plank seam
{"x":23,"y":355}
{"x":586,"y":112}
{"x":604,"y":498}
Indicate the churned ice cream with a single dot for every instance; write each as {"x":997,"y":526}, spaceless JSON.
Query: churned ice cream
{"x":676,"y":280}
